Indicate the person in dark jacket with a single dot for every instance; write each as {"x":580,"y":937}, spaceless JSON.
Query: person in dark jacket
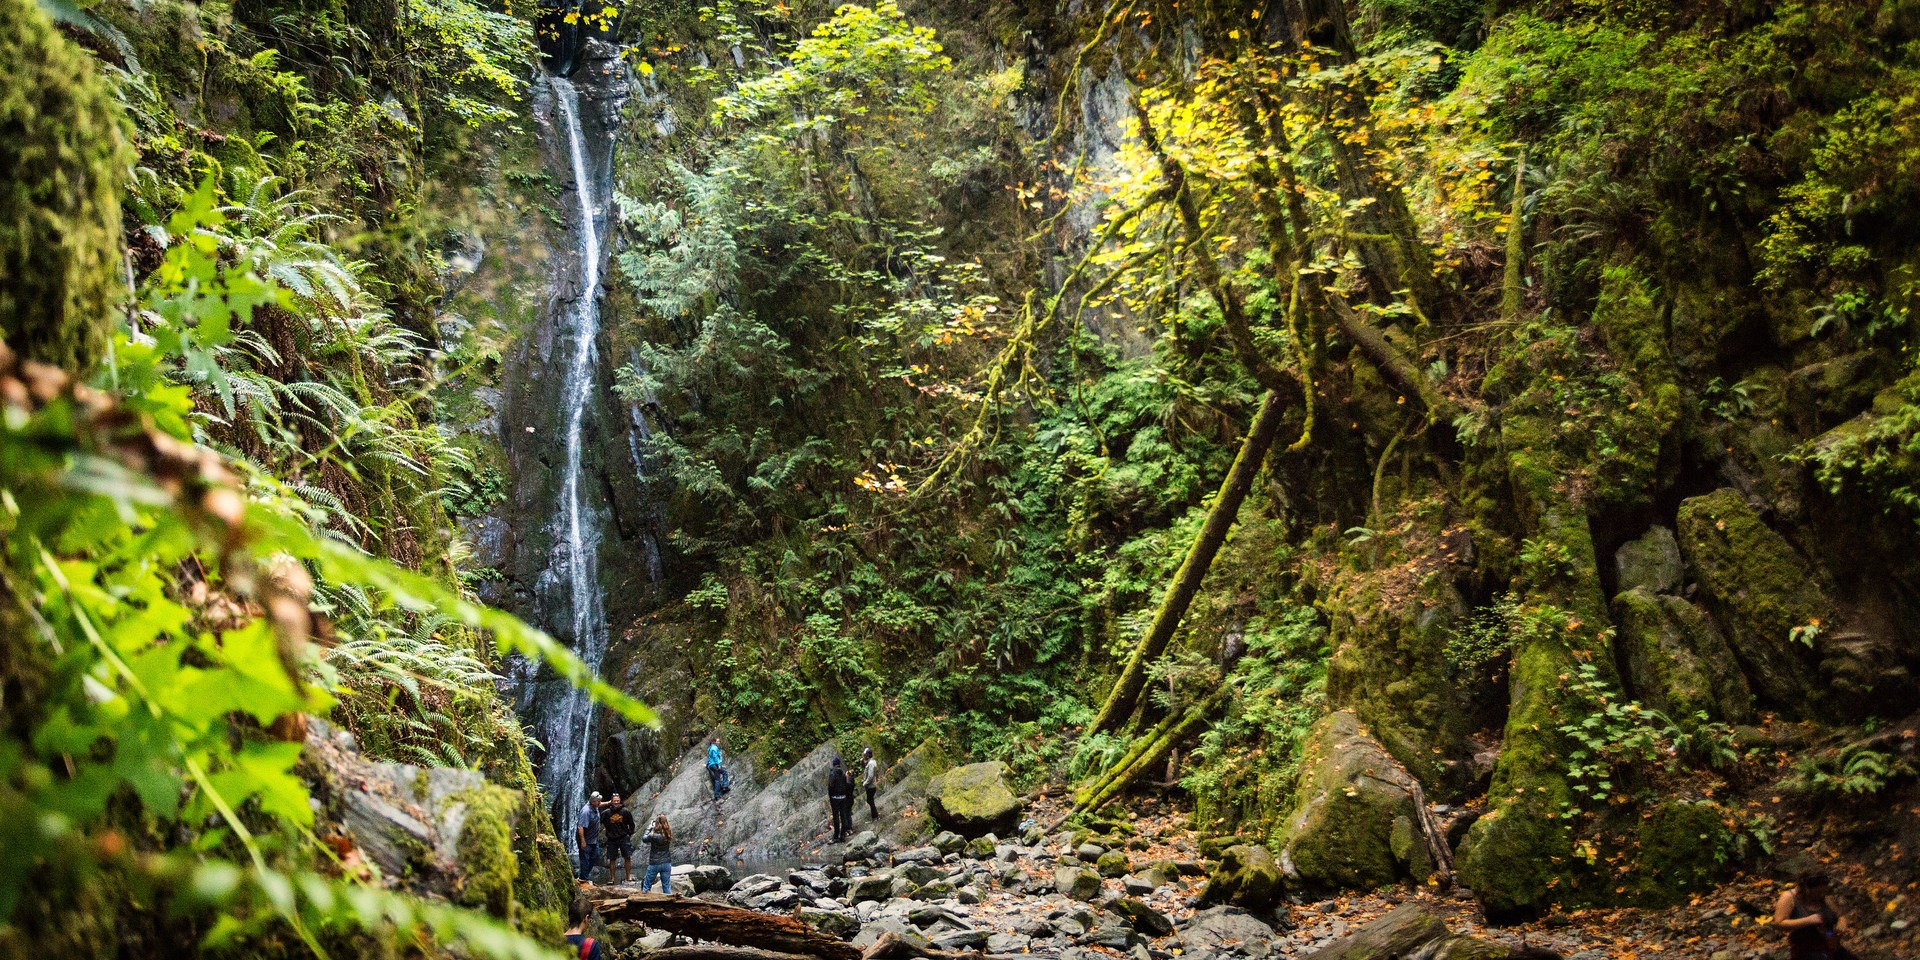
{"x":659,"y":841}
{"x":618,"y":824}
{"x":840,"y":800}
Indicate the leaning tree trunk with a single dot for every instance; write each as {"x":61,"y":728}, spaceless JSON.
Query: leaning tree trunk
{"x":1125,"y":695}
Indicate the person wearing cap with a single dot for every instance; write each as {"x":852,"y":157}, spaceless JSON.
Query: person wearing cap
{"x":587,"y":834}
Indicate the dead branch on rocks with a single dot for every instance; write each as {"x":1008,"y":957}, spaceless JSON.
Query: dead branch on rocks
{"x":720,"y":923}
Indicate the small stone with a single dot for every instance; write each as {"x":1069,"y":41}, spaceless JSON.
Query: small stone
{"x":1137,"y":886}
{"x":1899,"y":925}
{"x":1089,"y":852}
{"x":948,"y":842}
{"x":1114,"y":863}
{"x":968,"y":895}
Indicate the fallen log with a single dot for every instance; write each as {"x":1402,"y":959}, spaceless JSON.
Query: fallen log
{"x":721,"y":951}
{"x":720,"y":923}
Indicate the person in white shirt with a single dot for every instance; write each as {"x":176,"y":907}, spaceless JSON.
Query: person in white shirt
{"x":870,"y":779}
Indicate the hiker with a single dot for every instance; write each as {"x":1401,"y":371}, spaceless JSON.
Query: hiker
{"x":870,"y":779}
{"x":587,"y":834}
{"x":659,"y":841}
{"x":1813,"y":926}
{"x":619,"y":825}
{"x":716,"y":769}
{"x":840,"y":800}
{"x":584,"y":947}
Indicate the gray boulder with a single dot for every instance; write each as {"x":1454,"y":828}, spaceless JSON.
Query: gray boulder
{"x":1222,"y":929}
{"x":877,"y":886}
{"x":919,"y":855}
{"x":1651,"y":563}
{"x":837,"y":923}
{"x":1411,"y":930}
{"x":1145,"y":919}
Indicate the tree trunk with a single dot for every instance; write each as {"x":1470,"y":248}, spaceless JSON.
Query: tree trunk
{"x":1145,"y":754}
{"x":1186,"y":581}
{"x":705,"y":920}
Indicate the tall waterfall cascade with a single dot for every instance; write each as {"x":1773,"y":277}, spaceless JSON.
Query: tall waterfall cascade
{"x":564,"y":720}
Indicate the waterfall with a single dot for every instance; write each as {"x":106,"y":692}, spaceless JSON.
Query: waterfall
{"x":565,"y":720}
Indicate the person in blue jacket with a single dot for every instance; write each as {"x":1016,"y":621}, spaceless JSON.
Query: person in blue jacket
{"x":716,"y":769}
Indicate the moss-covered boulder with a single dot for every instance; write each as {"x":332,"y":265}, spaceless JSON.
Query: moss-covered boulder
{"x":1390,"y":617}
{"x":1763,"y":591}
{"x":63,"y":165}
{"x":1351,"y":795}
{"x":1683,"y":848}
{"x":1676,"y":660}
{"x":488,"y":865}
{"x":1246,"y":877}
{"x":1113,"y":863}
{"x":974,"y":800}
{"x":1076,"y":883}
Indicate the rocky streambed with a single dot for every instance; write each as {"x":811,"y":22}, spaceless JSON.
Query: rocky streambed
{"x":1068,"y":897}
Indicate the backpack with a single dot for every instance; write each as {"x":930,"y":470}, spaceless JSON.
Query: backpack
{"x":838,"y":783}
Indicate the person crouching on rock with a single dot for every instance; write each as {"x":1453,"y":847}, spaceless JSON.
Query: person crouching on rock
{"x":1813,"y":926}
{"x":619,"y":825}
{"x":659,"y":841}
{"x":840,"y":800}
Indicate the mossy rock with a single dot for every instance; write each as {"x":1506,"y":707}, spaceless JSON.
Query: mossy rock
{"x":1076,"y":883}
{"x":1245,"y":877}
{"x":1762,"y":590}
{"x":488,"y":866}
{"x":1518,"y":857}
{"x":1351,"y":794}
{"x":63,"y":166}
{"x":1683,"y":847}
{"x":1390,"y":618}
{"x":1676,"y":661}
{"x":1113,"y":863}
{"x":974,"y":800}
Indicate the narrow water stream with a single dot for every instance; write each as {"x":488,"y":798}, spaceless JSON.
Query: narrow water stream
{"x":565,"y":724}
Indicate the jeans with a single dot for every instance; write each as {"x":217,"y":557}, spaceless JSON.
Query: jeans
{"x":662,"y":870}
{"x":713,"y":780}
{"x":871,"y":807}
{"x":842,"y":816}
{"x":589,"y":856}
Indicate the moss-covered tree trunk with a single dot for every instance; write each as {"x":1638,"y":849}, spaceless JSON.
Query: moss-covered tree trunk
{"x":63,"y":162}
{"x":1125,"y":695}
